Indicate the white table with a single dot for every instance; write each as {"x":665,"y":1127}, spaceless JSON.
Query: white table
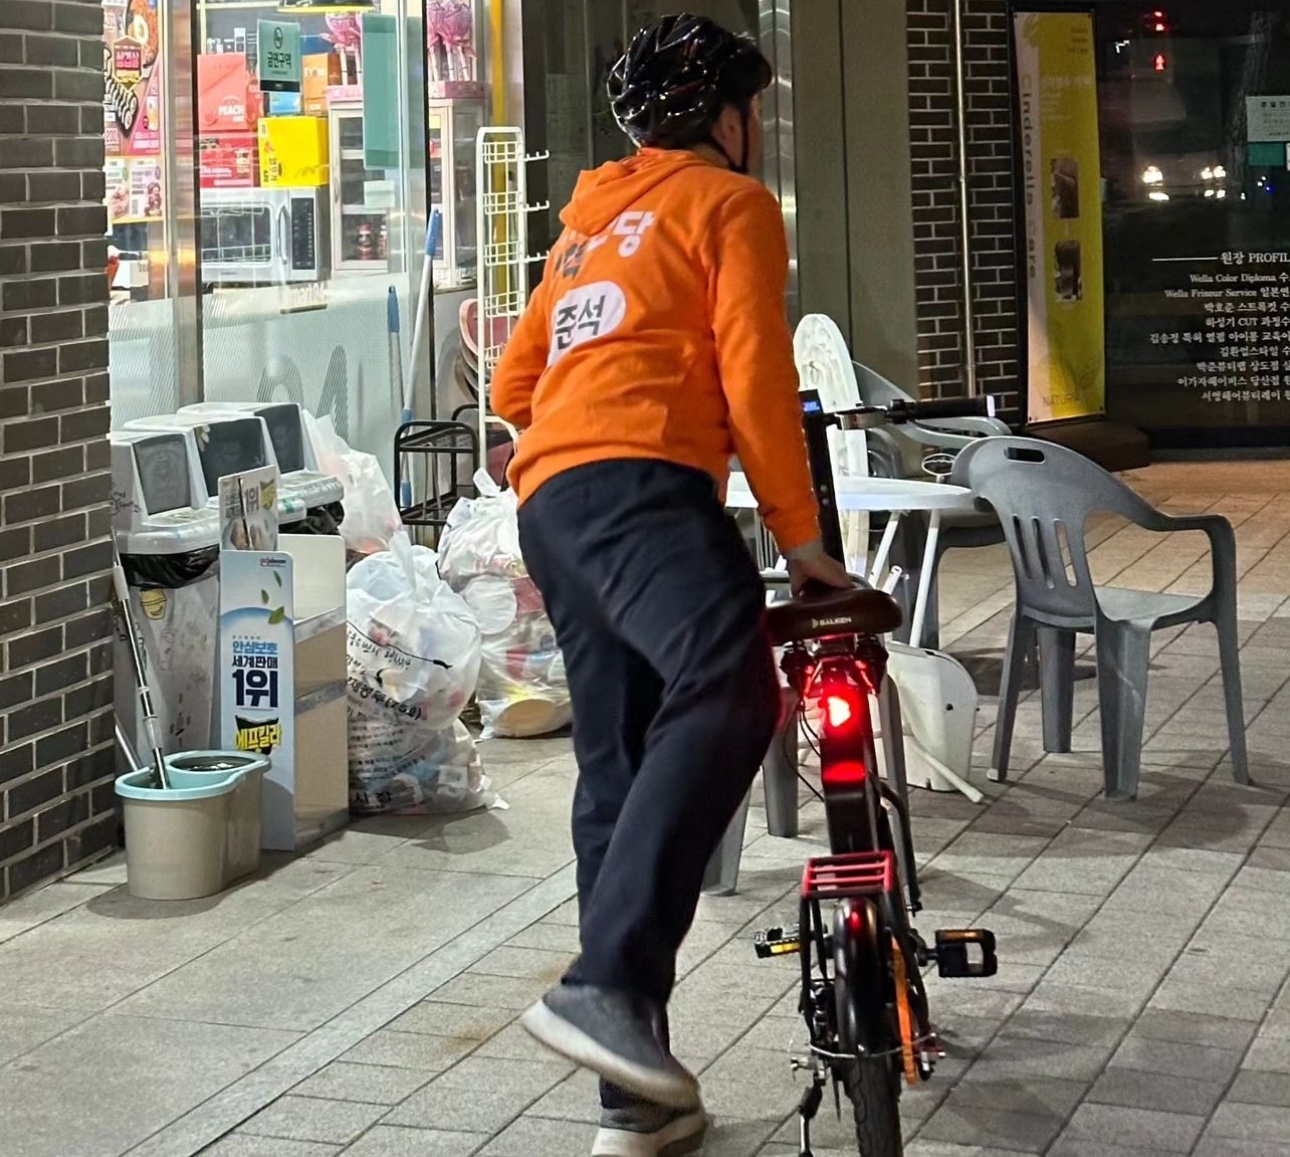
{"x":896,"y":497}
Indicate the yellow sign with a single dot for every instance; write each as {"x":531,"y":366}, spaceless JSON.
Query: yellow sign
{"x":262,"y":738}
{"x":1057,"y":81}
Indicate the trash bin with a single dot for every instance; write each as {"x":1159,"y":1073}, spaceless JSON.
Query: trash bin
{"x":168,"y":539}
{"x":300,"y":483}
{"x":177,"y":838}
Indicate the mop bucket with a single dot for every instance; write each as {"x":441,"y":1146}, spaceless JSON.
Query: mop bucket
{"x":199,"y":768}
{"x":191,"y":839}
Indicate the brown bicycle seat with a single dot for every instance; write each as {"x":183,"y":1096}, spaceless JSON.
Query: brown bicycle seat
{"x":820,"y":613}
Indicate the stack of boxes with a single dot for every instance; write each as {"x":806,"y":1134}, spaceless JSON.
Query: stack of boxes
{"x":243,"y":145}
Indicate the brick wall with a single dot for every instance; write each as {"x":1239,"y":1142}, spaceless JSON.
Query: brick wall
{"x":56,"y":759}
{"x":937,"y":228}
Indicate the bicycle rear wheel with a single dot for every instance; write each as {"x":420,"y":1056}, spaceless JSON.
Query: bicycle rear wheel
{"x":861,"y":989}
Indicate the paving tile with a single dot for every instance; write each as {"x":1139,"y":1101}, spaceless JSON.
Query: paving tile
{"x":437,"y":1018}
{"x":107,"y":1084}
{"x":1251,"y":1123}
{"x":44,"y":905}
{"x":1243,"y":963}
{"x":311,"y":1119}
{"x":1018,"y":1058}
{"x":1134,"y":1128}
{"x":921,"y":1148}
{"x":1154,"y":1090}
{"x":541,"y":1137}
{"x":410,"y":1050}
{"x":367,"y":1084}
{"x":1228,"y":1147}
{"x":549,"y":937}
{"x":245,"y":1145}
{"x":1043,"y":1095}
{"x":1191,"y":1028}
{"x":1260,"y":1088}
{"x":969,"y":1125}
{"x":747,"y":1083}
{"x":1180,"y":996}
{"x":23,"y":1027}
{"x":397,"y":1141}
{"x":577,"y":1098}
{"x":525,"y":964}
{"x":478,"y":1095}
{"x":477,"y":990}
{"x":1193,"y":1061}
{"x":306,"y":970}
{"x":1269,"y":1054}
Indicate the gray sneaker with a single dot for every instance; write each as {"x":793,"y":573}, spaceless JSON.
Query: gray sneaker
{"x":650,"y":1131}
{"x":612,"y":1034}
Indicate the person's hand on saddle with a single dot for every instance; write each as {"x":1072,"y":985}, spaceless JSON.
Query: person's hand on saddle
{"x":810,"y":563}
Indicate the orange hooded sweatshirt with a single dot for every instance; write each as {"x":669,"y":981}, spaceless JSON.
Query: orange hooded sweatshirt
{"x":659,"y":332}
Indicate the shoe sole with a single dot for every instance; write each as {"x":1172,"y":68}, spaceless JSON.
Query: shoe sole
{"x":680,"y":1138}
{"x":672,"y":1090}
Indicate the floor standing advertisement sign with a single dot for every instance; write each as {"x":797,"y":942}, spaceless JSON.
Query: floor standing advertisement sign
{"x":1057,"y":83}
{"x":257,"y":643}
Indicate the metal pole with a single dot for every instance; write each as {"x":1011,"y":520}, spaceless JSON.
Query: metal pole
{"x":965,"y":200}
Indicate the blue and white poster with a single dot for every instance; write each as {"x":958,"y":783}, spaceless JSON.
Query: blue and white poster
{"x":256,"y":676}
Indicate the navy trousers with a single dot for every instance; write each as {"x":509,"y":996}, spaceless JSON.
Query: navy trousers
{"x":657,"y":608}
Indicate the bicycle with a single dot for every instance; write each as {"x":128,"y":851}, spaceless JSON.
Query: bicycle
{"x":862,"y":995}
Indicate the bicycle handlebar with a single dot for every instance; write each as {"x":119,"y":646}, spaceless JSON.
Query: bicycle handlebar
{"x":942,"y":410}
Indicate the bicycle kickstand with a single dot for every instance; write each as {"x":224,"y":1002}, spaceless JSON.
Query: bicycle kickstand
{"x":807,"y":1109}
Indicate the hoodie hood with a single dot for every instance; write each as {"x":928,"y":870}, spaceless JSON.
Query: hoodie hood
{"x":605,"y":193}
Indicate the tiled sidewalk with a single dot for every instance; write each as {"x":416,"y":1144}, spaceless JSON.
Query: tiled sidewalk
{"x":361,"y":999}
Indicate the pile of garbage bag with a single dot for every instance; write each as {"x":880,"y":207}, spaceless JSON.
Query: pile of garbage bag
{"x":414,"y":650}
{"x":522,"y":690}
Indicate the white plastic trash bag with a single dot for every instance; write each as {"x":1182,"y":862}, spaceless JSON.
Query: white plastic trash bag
{"x":522,"y":688}
{"x":372,"y":516}
{"x":441,"y":773}
{"x":414,"y":652}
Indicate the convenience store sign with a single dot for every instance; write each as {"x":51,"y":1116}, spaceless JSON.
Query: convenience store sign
{"x":278,"y":56}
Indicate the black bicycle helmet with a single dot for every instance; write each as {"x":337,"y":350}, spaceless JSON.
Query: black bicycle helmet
{"x":673,"y":81}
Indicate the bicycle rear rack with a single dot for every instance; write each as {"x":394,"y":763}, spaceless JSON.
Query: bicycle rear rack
{"x":849,"y":877}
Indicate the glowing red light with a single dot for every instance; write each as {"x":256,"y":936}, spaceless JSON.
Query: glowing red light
{"x":838,"y":711}
{"x":1160,"y":28}
{"x":1160,"y":62}
{"x":843,"y":773}
{"x":854,"y":922}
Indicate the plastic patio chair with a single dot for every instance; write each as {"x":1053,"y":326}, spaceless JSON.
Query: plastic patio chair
{"x":898,"y":452}
{"x":1044,"y":495}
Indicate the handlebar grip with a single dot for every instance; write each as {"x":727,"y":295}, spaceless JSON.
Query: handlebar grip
{"x":944,"y":409}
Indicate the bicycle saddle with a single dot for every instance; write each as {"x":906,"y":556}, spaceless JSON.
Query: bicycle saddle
{"x":820,"y":612}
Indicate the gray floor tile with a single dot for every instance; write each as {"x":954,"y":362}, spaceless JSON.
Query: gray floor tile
{"x":1228,"y":1147}
{"x":1269,"y":1054}
{"x":367,"y":1084}
{"x":245,"y":1145}
{"x":1134,"y":1128}
{"x":577,"y":1098}
{"x":477,"y":990}
{"x":39,"y":907}
{"x":397,"y":1141}
{"x":410,"y":1050}
{"x":541,"y":1137}
{"x":482,"y":1095}
{"x":1238,"y":1122}
{"x":1154,"y":1090}
{"x":1178,"y":996}
{"x":1260,"y":1088}
{"x":1043,"y":1095}
{"x":962,"y":1124}
{"x":306,"y":972}
{"x":1193,"y":1061}
{"x":436,"y":1018}
{"x":112,"y":1081}
{"x":1194,"y":1029}
{"x":23,"y":1027}
{"x":311,"y":1119}
{"x":526,"y":964}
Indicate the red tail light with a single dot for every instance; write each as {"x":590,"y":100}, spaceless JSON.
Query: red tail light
{"x":844,"y":708}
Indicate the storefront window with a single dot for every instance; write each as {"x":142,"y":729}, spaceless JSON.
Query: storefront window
{"x":316,"y":159}
{"x":142,"y":341}
{"x":1195,"y":123}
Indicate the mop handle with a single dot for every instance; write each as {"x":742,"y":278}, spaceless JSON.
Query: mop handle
{"x":144,"y":692}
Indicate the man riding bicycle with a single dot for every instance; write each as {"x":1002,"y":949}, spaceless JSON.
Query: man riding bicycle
{"x":654,"y":350}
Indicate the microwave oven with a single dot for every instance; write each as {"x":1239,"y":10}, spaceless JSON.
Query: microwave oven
{"x":265,"y":236}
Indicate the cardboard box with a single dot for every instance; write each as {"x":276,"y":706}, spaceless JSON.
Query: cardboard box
{"x":229,"y":161}
{"x":228,"y":97}
{"x":295,"y":152}
{"x":321,"y":71}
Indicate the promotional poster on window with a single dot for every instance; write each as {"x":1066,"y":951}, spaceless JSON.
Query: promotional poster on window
{"x":257,"y":636}
{"x":132,"y":109}
{"x":1057,"y":86}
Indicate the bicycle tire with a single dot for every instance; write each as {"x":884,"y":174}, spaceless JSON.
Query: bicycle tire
{"x":864,"y":1022}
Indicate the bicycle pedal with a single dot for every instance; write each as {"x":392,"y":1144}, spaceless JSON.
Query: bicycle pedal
{"x":962,"y":953}
{"x":772,"y":942}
